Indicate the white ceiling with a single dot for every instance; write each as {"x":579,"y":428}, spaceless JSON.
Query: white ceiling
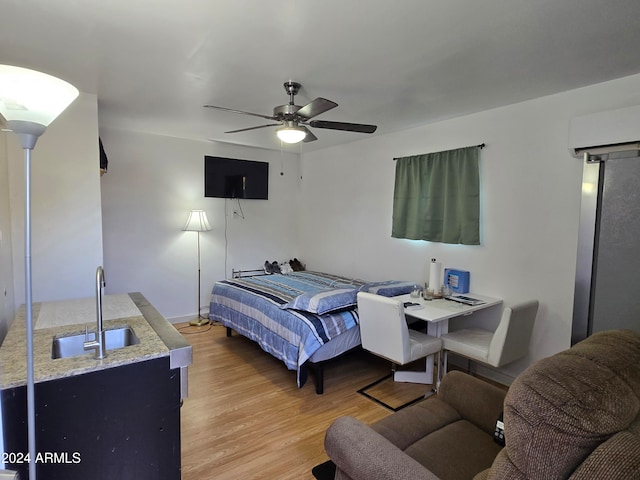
{"x":396,"y":64}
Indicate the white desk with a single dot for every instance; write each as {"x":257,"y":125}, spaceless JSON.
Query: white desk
{"x":437,"y":314}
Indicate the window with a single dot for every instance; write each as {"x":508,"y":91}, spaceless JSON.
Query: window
{"x":437,"y":197}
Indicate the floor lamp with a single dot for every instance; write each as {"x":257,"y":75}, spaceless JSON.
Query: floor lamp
{"x":197,"y":222}
{"x":29,"y":102}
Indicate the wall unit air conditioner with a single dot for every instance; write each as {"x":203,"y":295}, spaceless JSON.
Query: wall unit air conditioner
{"x":605,"y":132}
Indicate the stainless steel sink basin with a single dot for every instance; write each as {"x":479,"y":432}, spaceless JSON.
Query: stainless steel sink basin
{"x":73,"y":345}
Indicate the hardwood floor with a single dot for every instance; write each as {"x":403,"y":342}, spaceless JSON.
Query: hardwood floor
{"x":245,"y":418}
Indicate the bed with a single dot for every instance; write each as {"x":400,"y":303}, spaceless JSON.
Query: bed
{"x":302,"y":318}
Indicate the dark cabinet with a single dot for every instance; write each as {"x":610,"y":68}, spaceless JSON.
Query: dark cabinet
{"x":118,"y":423}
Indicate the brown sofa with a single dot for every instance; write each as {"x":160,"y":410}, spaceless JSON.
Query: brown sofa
{"x":574,"y":415}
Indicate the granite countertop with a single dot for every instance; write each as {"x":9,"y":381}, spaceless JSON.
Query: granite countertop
{"x":157,"y":338}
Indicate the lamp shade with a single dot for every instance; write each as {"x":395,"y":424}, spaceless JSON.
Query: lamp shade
{"x":291,"y":134}
{"x":33,"y":97}
{"x":197,"y":222}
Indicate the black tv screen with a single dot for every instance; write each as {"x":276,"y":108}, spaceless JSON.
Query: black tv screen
{"x":234,"y":178}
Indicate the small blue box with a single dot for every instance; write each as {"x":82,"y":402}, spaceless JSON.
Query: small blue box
{"x":458,"y":280}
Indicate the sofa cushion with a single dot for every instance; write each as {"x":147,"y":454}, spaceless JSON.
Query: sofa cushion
{"x":407,"y":426}
{"x":458,"y":450}
{"x":559,"y":410}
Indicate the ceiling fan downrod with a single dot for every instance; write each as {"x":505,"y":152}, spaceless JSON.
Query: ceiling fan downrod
{"x":292,"y":89}
{"x":288,"y":111}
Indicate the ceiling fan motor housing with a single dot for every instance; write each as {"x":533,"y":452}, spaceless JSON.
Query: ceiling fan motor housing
{"x":286,"y":112}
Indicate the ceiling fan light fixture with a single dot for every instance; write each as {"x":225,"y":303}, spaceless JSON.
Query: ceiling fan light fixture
{"x":291,"y":134}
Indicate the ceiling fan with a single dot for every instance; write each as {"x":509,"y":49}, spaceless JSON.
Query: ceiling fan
{"x":293,"y":119}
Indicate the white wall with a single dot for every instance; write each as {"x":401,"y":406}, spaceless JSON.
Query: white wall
{"x":6,"y":262}
{"x":66,"y":223}
{"x":152,"y":184}
{"x":530,"y":185}
{"x":530,"y":188}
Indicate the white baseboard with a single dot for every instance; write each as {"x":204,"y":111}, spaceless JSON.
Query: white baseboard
{"x":183,"y":319}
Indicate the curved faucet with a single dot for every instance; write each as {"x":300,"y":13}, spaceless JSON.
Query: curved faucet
{"x":98,"y":343}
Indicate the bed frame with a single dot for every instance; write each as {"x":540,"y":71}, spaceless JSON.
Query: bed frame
{"x":247,"y":273}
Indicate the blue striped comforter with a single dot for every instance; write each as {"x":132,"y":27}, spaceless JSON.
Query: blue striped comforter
{"x":257,"y":308}
{"x":252,"y":307}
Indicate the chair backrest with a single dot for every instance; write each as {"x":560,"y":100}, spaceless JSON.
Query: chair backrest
{"x":383,"y":327}
{"x":511,"y":339}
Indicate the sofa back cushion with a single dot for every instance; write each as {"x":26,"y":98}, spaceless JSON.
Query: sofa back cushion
{"x":559,"y":410}
{"x":475,"y":400}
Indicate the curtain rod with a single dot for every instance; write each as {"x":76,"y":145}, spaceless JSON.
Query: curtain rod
{"x":481,"y":146}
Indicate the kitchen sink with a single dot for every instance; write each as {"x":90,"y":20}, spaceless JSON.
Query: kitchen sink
{"x":73,"y":345}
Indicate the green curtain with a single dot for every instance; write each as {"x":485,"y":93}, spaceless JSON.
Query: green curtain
{"x":437,"y":197}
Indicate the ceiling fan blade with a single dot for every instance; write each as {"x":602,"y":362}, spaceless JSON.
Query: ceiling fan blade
{"x":349,"y":127}
{"x":241,"y":112}
{"x":310,"y":137}
{"x":316,"y":107}
{"x":254,"y":128}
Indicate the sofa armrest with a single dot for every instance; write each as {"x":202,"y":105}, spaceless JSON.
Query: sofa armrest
{"x":364,"y":454}
{"x":475,"y":400}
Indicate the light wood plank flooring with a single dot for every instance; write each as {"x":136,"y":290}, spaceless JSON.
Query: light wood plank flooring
{"x":245,"y":418}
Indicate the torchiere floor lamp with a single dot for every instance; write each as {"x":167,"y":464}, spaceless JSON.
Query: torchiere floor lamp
{"x":29,"y":102}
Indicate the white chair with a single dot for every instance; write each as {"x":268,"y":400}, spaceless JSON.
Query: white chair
{"x":508,"y":343}
{"x":384,"y":332}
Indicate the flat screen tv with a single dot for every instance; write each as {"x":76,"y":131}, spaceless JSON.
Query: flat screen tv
{"x":234,"y":178}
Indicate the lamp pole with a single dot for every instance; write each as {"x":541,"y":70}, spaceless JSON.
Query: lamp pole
{"x":199,"y":290}
{"x":31,"y":407}
{"x":29,"y":102}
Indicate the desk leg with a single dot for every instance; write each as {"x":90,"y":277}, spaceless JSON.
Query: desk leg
{"x":438,"y":329}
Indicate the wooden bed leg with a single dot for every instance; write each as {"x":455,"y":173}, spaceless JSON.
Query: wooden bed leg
{"x":228,"y":331}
